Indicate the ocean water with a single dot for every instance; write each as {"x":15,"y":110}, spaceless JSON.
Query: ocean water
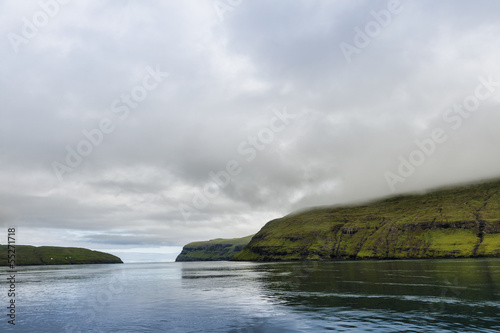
{"x":461,"y":295}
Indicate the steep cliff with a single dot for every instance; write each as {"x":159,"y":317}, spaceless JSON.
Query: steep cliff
{"x":449,"y":223}
{"x":213,"y":250}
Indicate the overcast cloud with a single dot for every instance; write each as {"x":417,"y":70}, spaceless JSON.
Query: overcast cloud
{"x":282,"y":100}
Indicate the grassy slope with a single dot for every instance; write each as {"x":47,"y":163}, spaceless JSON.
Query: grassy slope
{"x":455,"y":222}
{"x":31,"y":255}
{"x":215,"y":249}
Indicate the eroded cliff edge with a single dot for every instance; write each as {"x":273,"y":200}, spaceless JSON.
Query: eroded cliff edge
{"x":213,"y":250}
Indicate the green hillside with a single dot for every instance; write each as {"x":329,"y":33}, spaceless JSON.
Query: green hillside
{"x":449,"y":223}
{"x":53,"y":255}
{"x":213,"y":250}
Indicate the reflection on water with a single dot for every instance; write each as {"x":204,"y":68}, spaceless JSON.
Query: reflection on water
{"x":382,"y":296}
{"x":356,"y":296}
{"x":449,"y":294}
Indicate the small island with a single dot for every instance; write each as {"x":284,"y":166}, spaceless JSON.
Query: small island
{"x":54,"y":255}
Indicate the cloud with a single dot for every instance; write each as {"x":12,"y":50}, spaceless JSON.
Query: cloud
{"x":354,"y":120}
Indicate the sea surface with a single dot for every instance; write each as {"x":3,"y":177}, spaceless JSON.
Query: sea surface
{"x":458,"y":295}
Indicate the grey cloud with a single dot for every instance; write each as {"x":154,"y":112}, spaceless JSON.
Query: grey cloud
{"x":226,"y":78}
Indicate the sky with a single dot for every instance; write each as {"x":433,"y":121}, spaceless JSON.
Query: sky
{"x":135,"y":127}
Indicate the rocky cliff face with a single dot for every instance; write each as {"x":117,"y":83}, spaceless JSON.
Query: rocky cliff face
{"x":213,"y":250}
{"x":450,"y":223}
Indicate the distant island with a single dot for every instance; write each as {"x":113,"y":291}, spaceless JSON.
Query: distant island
{"x":456,"y":222}
{"x":53,"y":255}
{"x":213,"y":250}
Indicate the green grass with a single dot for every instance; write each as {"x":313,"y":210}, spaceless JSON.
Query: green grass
{"x":490,"y":245}
{"x":212,"y":250}
{"x":453,"y":222}
{"x":52,"y":255}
